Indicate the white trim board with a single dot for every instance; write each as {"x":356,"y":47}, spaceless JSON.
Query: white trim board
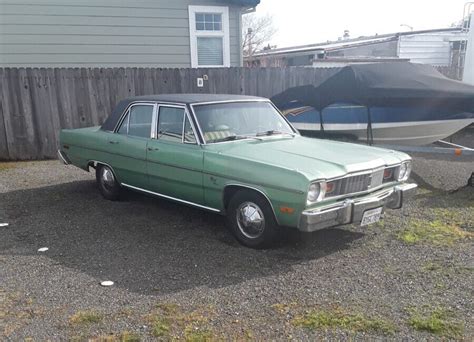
{"x":194,"y":34}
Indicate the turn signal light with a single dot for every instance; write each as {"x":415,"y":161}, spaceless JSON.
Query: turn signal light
{"x":387,"y":173}
{"x":287,"y":210}
{"x":330,"y":187}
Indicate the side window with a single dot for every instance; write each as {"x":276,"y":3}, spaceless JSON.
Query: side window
{"x":170,"y":124}
{"x":139,"y":122}
{"x":189,"y":136}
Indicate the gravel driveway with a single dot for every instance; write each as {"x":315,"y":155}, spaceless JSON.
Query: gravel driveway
{"x":180,"y":275}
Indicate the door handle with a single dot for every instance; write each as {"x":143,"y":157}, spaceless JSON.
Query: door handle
{"x":113,"y":142}
{"x":153,"y":149}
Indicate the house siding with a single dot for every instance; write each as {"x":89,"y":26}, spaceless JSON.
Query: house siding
{"x":381,"y":49}
{"x":429,"y":48}
{"x":101,"y":33}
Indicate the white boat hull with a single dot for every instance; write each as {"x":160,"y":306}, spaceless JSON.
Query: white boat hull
{"x":414,"y":133}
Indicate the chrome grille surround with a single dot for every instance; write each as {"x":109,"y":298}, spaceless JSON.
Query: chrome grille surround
{"x":360,"y":181}
{"x":376,"y":178}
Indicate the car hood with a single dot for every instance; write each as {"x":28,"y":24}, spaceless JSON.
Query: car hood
{"x":315,"y":158}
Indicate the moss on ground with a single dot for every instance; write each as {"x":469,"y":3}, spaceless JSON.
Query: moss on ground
{"x":341,"y":319}
{"x":445,"y":269}
{"x":85,"y":317}
{"x":16,"y":310}
{"x":7,"y":165}
{"x":434,"y":232}
{"x":170,"y":321}
{"x":124,"y":336}
{"x":438,"y":321}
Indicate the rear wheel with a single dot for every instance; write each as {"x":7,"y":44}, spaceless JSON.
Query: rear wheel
{"x":250,"y":218}
{"x":107,"y":183}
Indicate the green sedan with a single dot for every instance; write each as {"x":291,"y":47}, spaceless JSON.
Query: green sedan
{"x":238,"y":156}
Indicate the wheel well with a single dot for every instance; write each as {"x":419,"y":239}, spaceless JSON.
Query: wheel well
{"x":91,"y":164}
{"x":231,"y":190}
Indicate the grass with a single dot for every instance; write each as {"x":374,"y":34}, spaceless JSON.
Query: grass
{"x":85,"y":317}
{"x":338,"y":318}
{"x":284,"y":308}
{"x":127,"y":336}
{"x":170,"y":322}
{"x":438,"y":321}
{"x":198,"y":335}
{"x":161,"y":327}
{"x":434,"y":232}
{"x":444,"y":269}
{"x":6,"y":166}
{"x":16,"y":310}
{"x":124,"y":336}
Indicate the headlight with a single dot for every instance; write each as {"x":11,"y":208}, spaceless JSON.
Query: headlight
{"x":315,"y":192}
{"x":404,"y":171}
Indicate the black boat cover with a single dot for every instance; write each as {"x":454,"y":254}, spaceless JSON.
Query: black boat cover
{"x":384,"y":84}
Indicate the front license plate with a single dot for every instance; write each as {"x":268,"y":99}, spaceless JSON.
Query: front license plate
{"x":371,"y":216}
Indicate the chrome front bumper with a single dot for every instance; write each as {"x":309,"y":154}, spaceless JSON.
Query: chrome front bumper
{"x":63,"y":157}
{"x":352,"y":210}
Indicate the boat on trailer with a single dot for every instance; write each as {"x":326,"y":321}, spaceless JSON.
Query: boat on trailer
{"x":390,"y":125}
{"x":383,"y":103}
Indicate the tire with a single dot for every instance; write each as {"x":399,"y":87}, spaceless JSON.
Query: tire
{"x":255,"y":234}
{"x":107,"y":183}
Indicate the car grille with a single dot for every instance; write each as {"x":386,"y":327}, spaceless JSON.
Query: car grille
{"x":355,"y":184}
{"x":376,"y":179}
{"x":359,"y":183}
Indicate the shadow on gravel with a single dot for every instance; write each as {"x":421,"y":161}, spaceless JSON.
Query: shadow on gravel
{"x":144,"y":244}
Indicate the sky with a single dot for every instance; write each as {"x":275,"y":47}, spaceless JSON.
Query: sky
{"x":301,"y":22}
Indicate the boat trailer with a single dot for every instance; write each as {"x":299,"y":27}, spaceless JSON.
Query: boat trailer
{"x":455,"y":149}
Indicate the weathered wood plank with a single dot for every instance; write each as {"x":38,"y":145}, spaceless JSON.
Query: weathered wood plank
{"x":36,"y":103}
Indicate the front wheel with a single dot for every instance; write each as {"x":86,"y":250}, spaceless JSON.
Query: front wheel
{"x":107,"y":183}
{"x":250,"y":218}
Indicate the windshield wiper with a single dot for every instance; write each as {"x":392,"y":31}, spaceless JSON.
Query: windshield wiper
{"x":234,"y":137}
{"x":273,"y":132}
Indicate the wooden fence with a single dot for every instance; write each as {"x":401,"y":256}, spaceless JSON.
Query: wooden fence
{"x":36,"y":103}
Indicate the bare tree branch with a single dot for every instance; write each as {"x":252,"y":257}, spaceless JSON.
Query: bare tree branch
{"x":257,"y":31}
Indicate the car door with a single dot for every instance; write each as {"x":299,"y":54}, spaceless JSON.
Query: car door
{"x":127,"y":145}
{"x":174,"y":158}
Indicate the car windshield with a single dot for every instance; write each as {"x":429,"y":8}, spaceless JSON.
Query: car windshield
{"x":240,"y":120}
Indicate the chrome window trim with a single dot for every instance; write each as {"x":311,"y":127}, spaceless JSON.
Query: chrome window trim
{"x":154,"y":121}
{"x":170,"y":197}
{"x":229,"y":101}
{"x":126,"y":119}
{"x":295,"y":131}
{"x":201,"y":134}
{"x":186,"y":115}
{"x":192,"y":105}
{"x":125,"y":112}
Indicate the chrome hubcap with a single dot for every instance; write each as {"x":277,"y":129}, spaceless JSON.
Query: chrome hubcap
{"x":108,"y":178}
{"x":250,"y":220}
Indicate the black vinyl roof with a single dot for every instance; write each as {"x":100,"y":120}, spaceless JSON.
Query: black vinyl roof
{"x":112,"y":120}
{"x":191,"y":98}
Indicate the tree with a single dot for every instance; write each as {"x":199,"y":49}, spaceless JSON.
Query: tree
{"x":257,"y":31}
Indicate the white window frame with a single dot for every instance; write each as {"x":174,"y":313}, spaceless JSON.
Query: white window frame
{"x":224,"y":34}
